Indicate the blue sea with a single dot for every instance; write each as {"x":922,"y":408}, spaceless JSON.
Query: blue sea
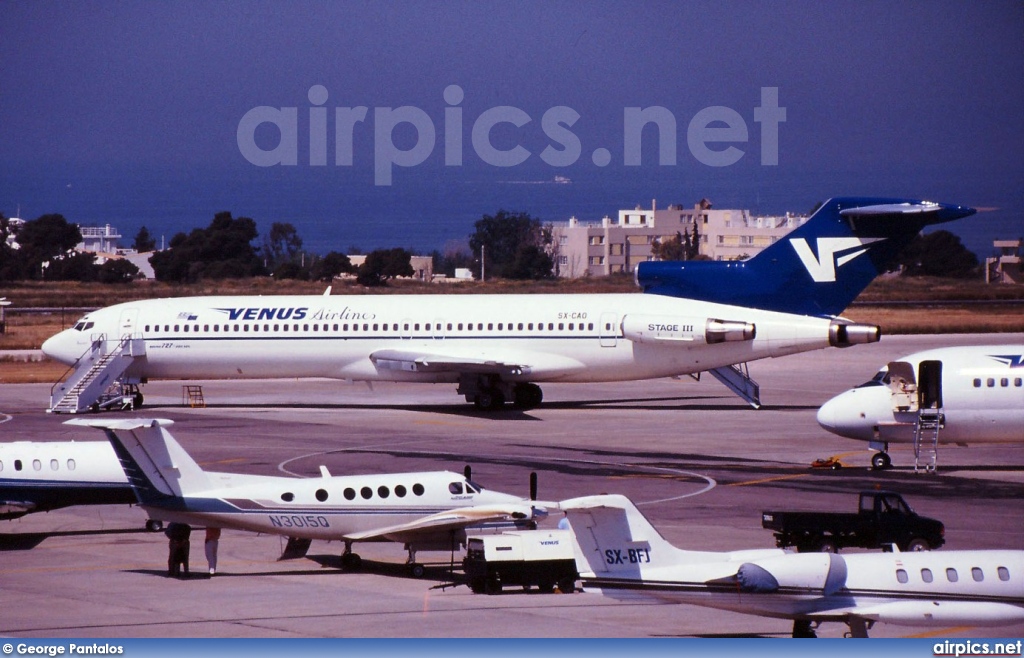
{"x":434,"y":207}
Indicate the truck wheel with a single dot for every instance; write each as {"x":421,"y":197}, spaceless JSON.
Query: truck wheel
{"x":493,"y":585}
{"x":546,"y":587}
{"x":477,"y":585}
{"x":918,"y":544}
{"x":567,"y":585}
{"x":827,"y":545}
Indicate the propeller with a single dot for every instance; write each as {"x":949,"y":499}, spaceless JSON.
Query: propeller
{"x":533,"y":485}
{"x":467,"y":472}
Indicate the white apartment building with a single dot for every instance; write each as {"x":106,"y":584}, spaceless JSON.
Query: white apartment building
{"x":611,"y":246}
{"x":99,"y":239}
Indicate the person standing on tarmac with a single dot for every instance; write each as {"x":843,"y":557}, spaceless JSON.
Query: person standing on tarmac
{"x":177,"y":549}
{"x":212,"y":541}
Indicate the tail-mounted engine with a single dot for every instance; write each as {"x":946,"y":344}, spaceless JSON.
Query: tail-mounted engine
{"x":844,"y":334}
{"x":685,"y":331}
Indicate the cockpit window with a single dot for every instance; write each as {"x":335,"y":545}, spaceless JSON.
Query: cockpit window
{"x":83,"y":326}
{"x":880,"y":379}
{"x":455,"y":487}
{"x":473,"y":487}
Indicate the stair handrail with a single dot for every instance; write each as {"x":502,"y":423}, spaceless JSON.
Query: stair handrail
{"x":96,"y":340}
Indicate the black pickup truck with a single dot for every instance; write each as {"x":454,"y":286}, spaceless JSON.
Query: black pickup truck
{"x":884,"y":519}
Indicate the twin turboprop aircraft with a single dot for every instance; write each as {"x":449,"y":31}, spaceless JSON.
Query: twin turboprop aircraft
{"x":959,"y":395}
{"x":620,"y":554}
{"x":428,"y":511}
{"x":497,"y":348}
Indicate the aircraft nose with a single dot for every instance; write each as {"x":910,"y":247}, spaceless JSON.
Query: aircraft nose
{"x":62,"y":347}
{"x":827,"y":416}
{"x":847,"y":415}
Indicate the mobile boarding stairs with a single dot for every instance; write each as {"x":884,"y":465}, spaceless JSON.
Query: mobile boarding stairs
{"x":96,"y":381}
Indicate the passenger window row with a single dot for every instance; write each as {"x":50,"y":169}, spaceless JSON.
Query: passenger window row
{"x":1004,"y":382}
{"x":37,"y":465}
{"x":377,"y":327}
{"x":952,"y":575}
{"x":366,"y":493}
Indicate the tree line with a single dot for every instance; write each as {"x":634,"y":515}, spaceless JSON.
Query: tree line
{"x":508,"y":245}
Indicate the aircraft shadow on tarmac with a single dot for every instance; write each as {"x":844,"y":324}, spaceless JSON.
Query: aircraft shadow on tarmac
{"x":24,"y":541}
{"x":685,"y":403}
{"x":328,"y":565}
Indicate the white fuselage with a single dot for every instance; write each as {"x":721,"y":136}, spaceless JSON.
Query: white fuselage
{"x":571,"y":338}
{"x":40,"y":476}
{"x":331,"y":508}
{"x":920,"y":589}
{"x":982,"y":391}
{"x":621,"y":554}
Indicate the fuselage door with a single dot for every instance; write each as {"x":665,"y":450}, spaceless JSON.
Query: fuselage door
{"x":929,"y":384}
{"x":128,"y":324}
{"x":903,"y":385}
{"x":608,"y":329}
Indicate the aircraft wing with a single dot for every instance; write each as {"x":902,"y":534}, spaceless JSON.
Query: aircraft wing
{"x":509,"y":363}
{"x":455,"y":519}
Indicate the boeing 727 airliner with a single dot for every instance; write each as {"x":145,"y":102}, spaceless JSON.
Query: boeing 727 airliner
{"x":495,"y":347}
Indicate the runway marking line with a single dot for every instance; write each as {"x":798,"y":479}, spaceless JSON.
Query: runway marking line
{"x":942,"y":632}
{"x":446,"y":423}
{"x":771,"y":479}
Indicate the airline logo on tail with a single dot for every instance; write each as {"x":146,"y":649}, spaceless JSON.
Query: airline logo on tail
{"x":823,"y":267}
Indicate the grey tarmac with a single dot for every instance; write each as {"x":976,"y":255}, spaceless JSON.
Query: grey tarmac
{"x":94,"y":572}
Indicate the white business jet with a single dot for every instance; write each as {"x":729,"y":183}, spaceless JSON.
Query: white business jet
{"x":44,"y":476}
{"x":428,"y":511}
{"x":958,"y":395}
{"x":620,"y":554}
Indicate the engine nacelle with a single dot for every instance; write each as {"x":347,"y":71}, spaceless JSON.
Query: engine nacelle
{"x":844,"y":334}
{"x":684,"y":331}
{"x":729,"y":331}
{"x":820,"y":572}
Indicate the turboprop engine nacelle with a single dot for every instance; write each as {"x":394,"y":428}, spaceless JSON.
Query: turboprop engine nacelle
{"x":667,"y":329}
{"x":844,"y":334}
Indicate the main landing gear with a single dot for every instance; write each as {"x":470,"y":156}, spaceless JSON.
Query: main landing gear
{"x":490,"y":393}
{"x":352,"y":562}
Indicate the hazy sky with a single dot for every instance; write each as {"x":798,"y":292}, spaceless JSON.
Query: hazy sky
{"x":931,"y":93}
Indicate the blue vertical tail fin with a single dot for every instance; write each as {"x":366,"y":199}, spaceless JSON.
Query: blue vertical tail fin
{"x":817,"y":269}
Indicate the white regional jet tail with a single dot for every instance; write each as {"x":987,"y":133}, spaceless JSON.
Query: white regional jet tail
{"x":614,"y":537}
{"x":155,"y":463}
{"x":616,"y":542}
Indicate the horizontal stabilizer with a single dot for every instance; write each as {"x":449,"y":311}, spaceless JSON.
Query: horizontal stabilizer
{"x":126,"y":424}
{"x":891,"y":209}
